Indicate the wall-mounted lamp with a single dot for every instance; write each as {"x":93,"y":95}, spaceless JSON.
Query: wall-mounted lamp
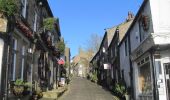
{"x":40,"y":3}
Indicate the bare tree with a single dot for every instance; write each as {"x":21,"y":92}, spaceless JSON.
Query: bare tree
{"x":92,"y":45}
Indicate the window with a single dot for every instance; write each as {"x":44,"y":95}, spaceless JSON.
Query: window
{"x":14,"y":55}
{"x":115,"y":51}
{"x":35,"y":22}
{"x":24,"y":8}
{"x":141,"y":33}
{"x":52,"y":39}
{"x":116,"y":76}
{"x":126,"y":48}
{"x":158,"y":67}
{"x":112,"y":71}
{"x":22,"y":62}
{"x":143,"y":27}
{"x":144,"y":76}
{"x":145,"y":83}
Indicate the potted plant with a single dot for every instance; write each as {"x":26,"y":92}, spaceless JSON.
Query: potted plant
{"x":127,"y":93}
{"x":120,"y":90}
{"x":18,"y":87}
{"x":37,"y":94}
{"x":94,"y":77}
{"x":27,"y":88}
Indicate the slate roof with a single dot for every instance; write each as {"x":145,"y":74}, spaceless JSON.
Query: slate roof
{"x":110,"y":34}
{"x":123,"y":27}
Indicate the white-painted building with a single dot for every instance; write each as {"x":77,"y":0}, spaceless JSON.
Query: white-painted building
{"x":125,"y":61}
{"x":149,"y":37}
{"x":1,"y":61}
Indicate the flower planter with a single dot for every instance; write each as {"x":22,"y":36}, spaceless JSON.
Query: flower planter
{"x":18,"y":90}
{"x":127,"y":97}
{"x":26,"y":92}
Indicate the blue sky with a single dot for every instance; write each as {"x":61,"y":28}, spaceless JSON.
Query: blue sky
{"x":81,"y":18}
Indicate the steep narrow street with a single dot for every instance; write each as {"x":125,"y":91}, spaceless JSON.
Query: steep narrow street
{"x":83,"y":89}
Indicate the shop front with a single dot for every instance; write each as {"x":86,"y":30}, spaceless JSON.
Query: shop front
{"x":144,"y":77}
{"x":162,"y":66}
{"x":152,"y":73}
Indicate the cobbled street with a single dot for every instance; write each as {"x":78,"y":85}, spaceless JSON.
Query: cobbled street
{"x":83,"y":89}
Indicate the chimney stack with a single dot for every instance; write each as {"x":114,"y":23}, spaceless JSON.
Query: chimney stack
{"x":130,"y":16}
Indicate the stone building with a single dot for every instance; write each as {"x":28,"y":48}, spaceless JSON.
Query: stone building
{"x":28,"y":51}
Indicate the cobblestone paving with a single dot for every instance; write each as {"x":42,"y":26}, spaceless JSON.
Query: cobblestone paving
{"x":82,"y":89}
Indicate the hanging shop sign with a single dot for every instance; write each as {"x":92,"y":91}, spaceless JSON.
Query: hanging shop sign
{"x":61,"y":61}
{"x":145,"y":21}
{"x":107,"y":66}
{"x":3,"y":25}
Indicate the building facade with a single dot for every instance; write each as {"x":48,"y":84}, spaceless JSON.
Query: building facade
{"x":67,"y":56}
{"x":147,"y":47}
{"x":28,"y":51}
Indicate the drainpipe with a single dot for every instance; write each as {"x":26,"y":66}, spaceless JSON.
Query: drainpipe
{"x":155,"y":89}
{"x":7,"y":68}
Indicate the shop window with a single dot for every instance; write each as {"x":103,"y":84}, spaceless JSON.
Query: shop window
{"x":158,"y":67}
{"x":145,"y":84}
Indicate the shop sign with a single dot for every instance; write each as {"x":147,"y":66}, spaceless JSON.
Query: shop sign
{"x":3,"y":25}
{"x":61,"y":61}
{"x":107,"y":66}
{"x":139,"y":52}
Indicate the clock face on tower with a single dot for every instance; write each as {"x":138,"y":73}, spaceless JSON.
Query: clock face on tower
{"x":145,"y":22}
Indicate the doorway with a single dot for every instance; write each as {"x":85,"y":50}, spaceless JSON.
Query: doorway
{"x":167,"y":79}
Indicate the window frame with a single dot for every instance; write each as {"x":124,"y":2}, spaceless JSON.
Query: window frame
{"x":22,"y":61}
{"x":126,"y":47}
{"x":35,"y":21}
{"x":24,"y":8}
{"x":14,"y":58}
